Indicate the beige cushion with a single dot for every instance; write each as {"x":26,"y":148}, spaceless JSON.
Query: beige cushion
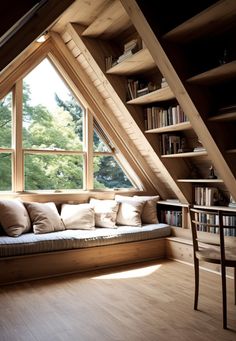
{"x":105,"y":212}
{"x":45,"y":217}
{"x":130,"y":211}
{"x":14,"y":217}
{"x":149,"y":214}
{"x":78,"y":217}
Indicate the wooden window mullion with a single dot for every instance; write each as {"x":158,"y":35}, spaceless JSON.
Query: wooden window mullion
{"x":18,"y":164}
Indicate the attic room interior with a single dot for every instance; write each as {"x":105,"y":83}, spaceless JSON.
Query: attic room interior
{"x":117,"y":170}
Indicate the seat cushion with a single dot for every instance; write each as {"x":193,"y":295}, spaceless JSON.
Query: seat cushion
{"x":31,"y":243}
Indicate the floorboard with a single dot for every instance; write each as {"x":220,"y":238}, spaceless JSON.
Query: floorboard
{"x":148,"y":301}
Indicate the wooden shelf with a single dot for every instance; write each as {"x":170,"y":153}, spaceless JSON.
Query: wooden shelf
{"x":140,"y":61}
{"x":218,"y":74}
{"x":201,"y":180}
{"x":229,"y":116}
{"x":205,"y":23}
{"x":112,"y":21}
{"x":218,"y":208}
{"x":163,"y":94}
{"x":172,"y":203}
{"x":166,"y":129}
{"x":189,"y":154}
{"x":231,"y":151}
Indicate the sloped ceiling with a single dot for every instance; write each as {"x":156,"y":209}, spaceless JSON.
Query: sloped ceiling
{"x":81,"y":60}
{"x":27,"y":20}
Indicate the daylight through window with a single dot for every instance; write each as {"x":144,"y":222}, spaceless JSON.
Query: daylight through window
{"x":52,"y":146}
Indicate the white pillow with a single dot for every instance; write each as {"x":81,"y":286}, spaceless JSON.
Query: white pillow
{"x":130,"y":213}
{"x":149,"y":214}
{"x":14,"y":217}
{"x":105,"y":212}
{"x":45,"y":217}
{"x":78,"y":216}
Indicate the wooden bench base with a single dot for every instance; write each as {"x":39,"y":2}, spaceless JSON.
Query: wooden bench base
{"x":42,"y":265}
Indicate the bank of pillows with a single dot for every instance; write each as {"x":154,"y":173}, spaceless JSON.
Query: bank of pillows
{"x":17,"y":217}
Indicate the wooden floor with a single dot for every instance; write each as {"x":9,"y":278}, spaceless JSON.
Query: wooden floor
{"x":150,"y":301}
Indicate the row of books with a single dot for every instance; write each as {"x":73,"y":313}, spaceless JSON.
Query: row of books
{"x":156,"y":117}
{"x":170,"y":144}
{"x":137,"y":88}
{"x":214,"y":220}
{"x":171,"y":217}
{"x":207,"y":196}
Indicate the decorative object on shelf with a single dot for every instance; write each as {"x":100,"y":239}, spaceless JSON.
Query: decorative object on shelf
{"x":212,"y":173}
{"x":223,"y":198}
{"x":224,"y":57}
{"x":164,"y":83}
{"x":232,"y":202}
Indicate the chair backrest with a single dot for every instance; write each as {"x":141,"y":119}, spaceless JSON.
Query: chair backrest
{"x":218,"y":223}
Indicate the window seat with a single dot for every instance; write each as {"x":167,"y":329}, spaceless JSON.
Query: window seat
{"x":32,"y":256}
{"x":30,"y":243}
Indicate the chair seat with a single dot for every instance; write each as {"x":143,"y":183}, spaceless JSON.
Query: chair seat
{"x":212,"y":255}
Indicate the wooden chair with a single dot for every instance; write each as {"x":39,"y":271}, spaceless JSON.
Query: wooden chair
{"x":214,"y":248}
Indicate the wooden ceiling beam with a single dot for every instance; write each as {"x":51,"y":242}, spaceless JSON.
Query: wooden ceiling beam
{"x":31,"y":30}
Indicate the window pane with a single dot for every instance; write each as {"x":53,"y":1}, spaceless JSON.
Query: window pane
{"x":108,"y":174}
{"x":53,"y":172}
{"x":52,"y":117}
{"x":5,"y":172}
{"x":98,"y":144}
{"x":6,"y":121}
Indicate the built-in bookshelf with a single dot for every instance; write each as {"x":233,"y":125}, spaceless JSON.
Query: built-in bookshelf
{"x":228,"y":220}
{"x":208,"y":81}
{"x":173,"y":213}
{"x":214,"y":73}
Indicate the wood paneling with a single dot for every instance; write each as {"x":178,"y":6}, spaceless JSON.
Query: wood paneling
{"x":36,"y":25}
{"x":21,"y":268}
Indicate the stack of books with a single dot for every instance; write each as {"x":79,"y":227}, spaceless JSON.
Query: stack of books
{"x":130,"y":48}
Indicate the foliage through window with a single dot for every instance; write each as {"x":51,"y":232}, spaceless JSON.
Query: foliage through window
{"x":53,"y":138}
{"x":6,"y":143}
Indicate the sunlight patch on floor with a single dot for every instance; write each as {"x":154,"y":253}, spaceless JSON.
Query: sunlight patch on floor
{"x":135,"y":273}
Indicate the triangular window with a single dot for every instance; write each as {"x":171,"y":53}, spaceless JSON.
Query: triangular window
{"x":52,"y":147}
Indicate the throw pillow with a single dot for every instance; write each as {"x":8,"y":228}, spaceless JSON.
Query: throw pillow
{"x":149,"y":214}
{"x":14,"y":217}
{"x":78,"y":216}
{"x":45,"y":217}
{"x":130,"y":213}
{"x":105,"y":212}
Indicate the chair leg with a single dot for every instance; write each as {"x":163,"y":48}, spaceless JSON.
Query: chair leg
{"x":196,"y":272}
{"x":235,"y":285}
{"x":224,"y":297}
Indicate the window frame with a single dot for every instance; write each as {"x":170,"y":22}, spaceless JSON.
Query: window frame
{"x":18,"y":152}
